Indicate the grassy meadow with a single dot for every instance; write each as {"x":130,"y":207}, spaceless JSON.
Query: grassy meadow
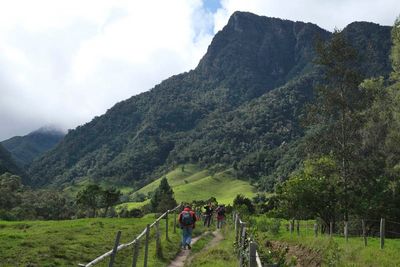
{"x":67,"y":243}
{"x":195,"y":183}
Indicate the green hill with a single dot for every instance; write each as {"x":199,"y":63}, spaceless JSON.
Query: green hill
{"x":24,"y":149}
{"x":195,"y":183}
{"x":240,"y":107}
{"x":7,"y":164}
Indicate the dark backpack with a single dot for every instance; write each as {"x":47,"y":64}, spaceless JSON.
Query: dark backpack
{"x":187,"y":218}
{"x":221,"y":211}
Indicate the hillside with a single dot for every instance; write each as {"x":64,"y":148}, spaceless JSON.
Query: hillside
{"x":196,"y":183}
{"x":240,"y":107}
{"x":7,"y":164}
{"x":24,"y":149}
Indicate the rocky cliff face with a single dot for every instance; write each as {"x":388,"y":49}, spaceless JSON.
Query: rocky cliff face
{"x":238,"y":107}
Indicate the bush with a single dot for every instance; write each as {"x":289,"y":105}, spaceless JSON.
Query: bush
{"x":270,"y":225}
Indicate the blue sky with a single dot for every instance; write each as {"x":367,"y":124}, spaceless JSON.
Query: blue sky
{"x":212,"y":5}
{"x":63,"y":62}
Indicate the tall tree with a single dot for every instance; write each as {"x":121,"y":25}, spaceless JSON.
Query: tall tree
{"x":90,"y":197}
{"x":163,"y":198}
{"x":334,"y":118}
{"x":110,"y":197}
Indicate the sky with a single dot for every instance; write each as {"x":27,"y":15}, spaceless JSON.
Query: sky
{"x":63,"y":62}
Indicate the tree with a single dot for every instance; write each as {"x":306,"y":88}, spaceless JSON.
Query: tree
{"x":334,"y":118}
{"x":312,"y":192}
{"x":395,"y":53}
{"x":243,"y":204}
{"x":10,"y":187}
{"x":110,"y":197}
{"x":90,"y":197}
{"x":163,"y":197}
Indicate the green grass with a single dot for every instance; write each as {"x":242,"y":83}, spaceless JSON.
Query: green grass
{"x":351,"y":253}
{"x":199,"y":184}
{"x":176,"y":177}
{"x":222,"y":255}
{"x":72,"y":190}
{"x":67,"y":243}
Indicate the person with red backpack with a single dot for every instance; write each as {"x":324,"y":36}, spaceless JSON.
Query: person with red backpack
{"x":187,"y":220}
{"x":220,"y":216}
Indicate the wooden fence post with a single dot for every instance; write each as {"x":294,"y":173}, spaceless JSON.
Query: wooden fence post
{"x":252,"y":254}
{"x":237,"y":228}
{"x":291,"y":227}
{"x":241,"y":248}
{"x":298,"y":227}
{"x":364,"y":232}
{"x":174,"y":221}
{"x":146,"y":245}
{"x":382,"y":232}
{"x":114,"y":252}
{"x":346,"y":231}
{"x":240,"y":235}
{"x":316,"y":229}
{"x":236,"y":220}
{"x":135,"y":252}
{"x":166,"y":225}
{"x":158,"y":241}
{"x":330,"y":229}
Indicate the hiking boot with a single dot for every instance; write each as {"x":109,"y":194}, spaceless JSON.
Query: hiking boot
{"x":188,"y":246}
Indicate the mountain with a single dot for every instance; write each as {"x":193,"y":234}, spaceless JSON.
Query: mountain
{"x":7,"y":164}
{"x":24,"y":149}
{"x":239,"y":107}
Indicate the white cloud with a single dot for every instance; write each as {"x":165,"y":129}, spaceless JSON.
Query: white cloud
{"x":65,"y":61}
{"x":326,"y":14}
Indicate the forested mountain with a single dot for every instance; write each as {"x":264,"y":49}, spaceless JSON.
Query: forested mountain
{"x":6,"y":163}
{"x":240,"y":107}
{"x":24,"y":149}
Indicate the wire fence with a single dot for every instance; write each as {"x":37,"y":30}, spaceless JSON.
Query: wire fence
{"x":245,"y":245}
{"x":365,"y":228}
{"x":135,"y":243}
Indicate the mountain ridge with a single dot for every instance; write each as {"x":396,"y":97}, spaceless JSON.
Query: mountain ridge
{"x":24,"y":149}
{"x":171,"y":123}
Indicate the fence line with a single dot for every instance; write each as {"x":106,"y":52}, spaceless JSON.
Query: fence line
{"x":348,"y":229}
{"x":146,"y":232}
{"x":242,"y":246}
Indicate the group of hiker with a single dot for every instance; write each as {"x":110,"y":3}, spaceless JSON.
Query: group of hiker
{"x":188,"y":217}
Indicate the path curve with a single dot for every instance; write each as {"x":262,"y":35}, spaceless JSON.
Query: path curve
{"x":183,"y":256}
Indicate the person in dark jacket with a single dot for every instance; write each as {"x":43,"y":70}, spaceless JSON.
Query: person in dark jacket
{"x":208,"y":214}
{"x":187,"y":220}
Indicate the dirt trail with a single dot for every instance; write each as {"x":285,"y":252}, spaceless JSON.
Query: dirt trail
{"x":183,"y":256}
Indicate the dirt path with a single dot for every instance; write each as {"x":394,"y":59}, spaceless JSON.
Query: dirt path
{"x":183,"y":256}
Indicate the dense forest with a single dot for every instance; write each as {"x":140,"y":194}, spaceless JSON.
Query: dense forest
{"x":352,"y":134}
{"x":7,"y":164}
{"x":24,"y":149}
{"x":242,"y":107}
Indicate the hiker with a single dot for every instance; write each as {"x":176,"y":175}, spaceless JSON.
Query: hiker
{"x":208,"y":214}
{"x":198,"y":213}
{"x":187,"y":220}
{"x":220,"y":216}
